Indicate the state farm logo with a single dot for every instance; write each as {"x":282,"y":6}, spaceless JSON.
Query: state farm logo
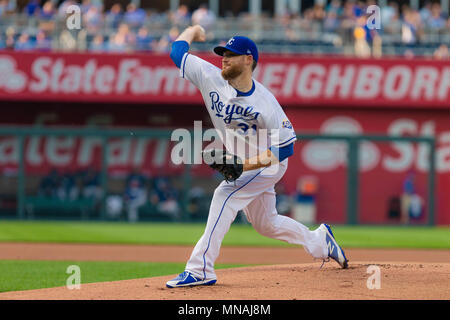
{"x":11,"y":79}
{"x":322,"y":155}
{"x":58,"y":75}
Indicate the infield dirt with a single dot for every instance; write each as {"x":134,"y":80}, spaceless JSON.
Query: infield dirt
{"x":291,"y":275}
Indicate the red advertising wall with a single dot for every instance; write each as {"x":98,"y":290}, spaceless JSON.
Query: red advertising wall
{"x":295,"y":81}
{"x":383,"y":166}
{"x":333,"y":95}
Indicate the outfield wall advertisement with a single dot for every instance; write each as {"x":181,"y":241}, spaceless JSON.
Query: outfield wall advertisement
{"x":151,"y":78}
{"x":383,"y":166}
{"x":397,"y":97}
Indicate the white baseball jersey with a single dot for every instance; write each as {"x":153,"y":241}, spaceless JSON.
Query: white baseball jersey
{"x":253,"y":192}
{"x":257,"y":116}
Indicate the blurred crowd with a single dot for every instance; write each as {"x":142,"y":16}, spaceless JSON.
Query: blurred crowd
{"x":132,"y":28}
{"x":117,"y":29}
{"x":156,"y":193}
{"x":337,"y":14}
{"x":349,"y":20}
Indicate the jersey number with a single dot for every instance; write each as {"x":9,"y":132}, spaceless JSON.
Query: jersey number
{"x":245,"y":127}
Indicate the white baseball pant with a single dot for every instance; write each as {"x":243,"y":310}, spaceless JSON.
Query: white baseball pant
{"x":253,"y":193}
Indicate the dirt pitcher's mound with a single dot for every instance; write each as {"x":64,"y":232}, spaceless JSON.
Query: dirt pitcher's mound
{"x":280,"y":282}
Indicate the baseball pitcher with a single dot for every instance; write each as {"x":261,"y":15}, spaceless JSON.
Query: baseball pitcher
{"x":240,"y":108}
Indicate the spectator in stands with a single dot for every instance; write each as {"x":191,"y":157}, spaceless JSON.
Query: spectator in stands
{"x":11,"y":6}
{"x":93,"y":20}
{"x":32,"y":8}
{"x":390,"y":18}
{"x":117,"y":43}
{"x":122,"y":40}
{"x":436,"y":19}
{"x":334,"y":6}
{"x":291,"y":34}
{"x":135,"y":17}
{"x":24,"y":43}
{"x":388,"y":13}
{"x":166,"y":41}
{"x":82,"y":40}
{"x":144,"y":42}
{"x":165,"y":197}
{"x":10,"y":38}
{"x":306,"y":23}
{"x":181,"y":17}
{"x":362,"y":47}
{"x":351,"y":9}
{"x":67,"y":41}
{"x":43,"y":42}
{"x":358,"y":8}
{"x":441,"y":53}
{"x":332,"y":21}
{"x":135,"y":194}
{"x":348,"y":23}
{"x":410,"y":26}
{"x":3,"y":4}
{"x":85,"y":6}
{"x":4,"y":7}
{"x":408,"y":54}
{"x":373,"y":35}
{"x":48,"y":11}
{"x":319,"y":12}
{"x":204,"y":17}
{"x":156,"y":17}
{"x":63,"y":7}
{"x":114,"y":16}
{"x":130,"y":37}
{"x":425,"y":11}
{"x":97,"y":44}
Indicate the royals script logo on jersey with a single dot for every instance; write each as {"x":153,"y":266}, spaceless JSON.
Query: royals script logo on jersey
{"x":231,"y":112}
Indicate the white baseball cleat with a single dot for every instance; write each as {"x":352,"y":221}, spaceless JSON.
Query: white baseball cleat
{"x":187,"y":279}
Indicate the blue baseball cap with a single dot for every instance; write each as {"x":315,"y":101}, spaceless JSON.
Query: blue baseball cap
{"x":239,"y":45}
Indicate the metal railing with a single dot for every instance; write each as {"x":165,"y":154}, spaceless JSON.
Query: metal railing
{"x":269,"y":34}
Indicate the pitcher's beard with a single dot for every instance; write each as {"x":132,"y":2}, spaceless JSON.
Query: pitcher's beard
{"x":231,"y":73}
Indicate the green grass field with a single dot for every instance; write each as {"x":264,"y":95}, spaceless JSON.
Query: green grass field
{"x":239,"y":235}
{"x":25,"y":275}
